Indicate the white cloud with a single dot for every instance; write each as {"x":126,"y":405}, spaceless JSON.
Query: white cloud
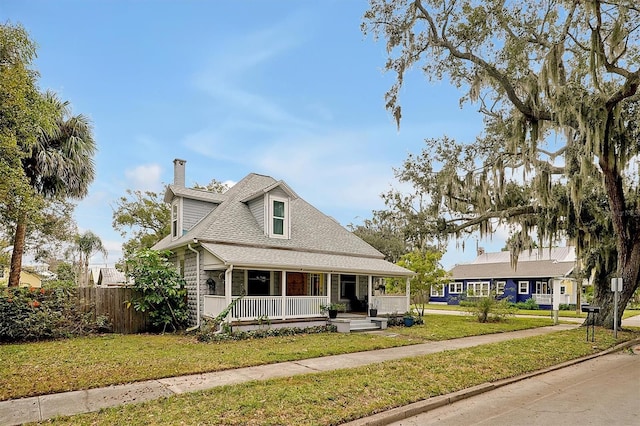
{"x":145,"y":177}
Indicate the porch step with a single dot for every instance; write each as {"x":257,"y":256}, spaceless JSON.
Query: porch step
{"x":363,"y":325}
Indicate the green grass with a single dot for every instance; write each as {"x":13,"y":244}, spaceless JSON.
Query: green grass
{"x":339,"y":396}
{"x":57,"y":366}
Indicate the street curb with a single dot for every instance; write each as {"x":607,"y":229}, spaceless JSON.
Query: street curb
{"x":410,"y":410}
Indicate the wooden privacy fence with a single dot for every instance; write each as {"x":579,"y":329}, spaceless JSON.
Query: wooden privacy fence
{"x":111,"y":303}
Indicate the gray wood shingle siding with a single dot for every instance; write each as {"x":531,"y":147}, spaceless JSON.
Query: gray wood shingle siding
{"x":257,"y":209}
{"x":194,"y":210}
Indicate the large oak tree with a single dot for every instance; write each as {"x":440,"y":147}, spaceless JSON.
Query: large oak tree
{"x":557,"y":84}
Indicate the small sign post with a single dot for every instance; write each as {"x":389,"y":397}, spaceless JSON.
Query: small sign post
{"x":591,"y":311}
{"x":616,"y":286}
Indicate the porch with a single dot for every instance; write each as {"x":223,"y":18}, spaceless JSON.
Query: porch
{"x":250,"y":308}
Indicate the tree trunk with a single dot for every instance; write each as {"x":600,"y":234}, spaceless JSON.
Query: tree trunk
{"x":629,"y":271}
{"x":18,"y":250}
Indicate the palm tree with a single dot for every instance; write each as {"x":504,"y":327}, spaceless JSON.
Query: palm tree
{"x":59,"y":165}
{"x":86,"y":245}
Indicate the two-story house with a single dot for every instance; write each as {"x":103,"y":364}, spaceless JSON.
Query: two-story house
{"x":261,"y":240}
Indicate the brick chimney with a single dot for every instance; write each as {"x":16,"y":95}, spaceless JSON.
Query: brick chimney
{"x":178,"y":172}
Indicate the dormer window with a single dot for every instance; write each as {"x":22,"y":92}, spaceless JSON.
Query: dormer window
{"x":279,"y":218}
{"x":175,"y":219}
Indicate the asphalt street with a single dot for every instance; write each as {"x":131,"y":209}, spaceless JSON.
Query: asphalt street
{"x":602,"y":391}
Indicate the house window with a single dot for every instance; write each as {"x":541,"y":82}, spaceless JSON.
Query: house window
{"x":563,"y":289}
{"x":455,"y":288}
{"x":316,"y":285}
{"x":279,"y":214}
{"x":523,"y":287}
{"x":500,"y":287}
{"x":478,"y":289}
{"x":437,"y":291}
{"x":542,"y":287}
{"x":258,"y":283}
{"x":175,"y":222}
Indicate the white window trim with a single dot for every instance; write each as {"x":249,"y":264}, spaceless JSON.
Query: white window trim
{"x":455,"y":287}
{"x":484,"y":285}
{"x":176,"y":207}
{"x":520,"y":283}
{"x":286,"y":226}
{"x":437,"y":291}
{"x":504,"y":285}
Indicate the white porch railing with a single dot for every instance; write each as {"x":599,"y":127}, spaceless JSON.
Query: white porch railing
{"x":253,"y":307}
{"x":391,"y":304}
{"x":543,"y":299}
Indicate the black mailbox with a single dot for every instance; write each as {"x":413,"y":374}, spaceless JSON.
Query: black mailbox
{"x":591,"y":309}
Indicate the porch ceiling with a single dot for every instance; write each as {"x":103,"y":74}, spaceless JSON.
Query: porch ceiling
{"x":255,"y":257}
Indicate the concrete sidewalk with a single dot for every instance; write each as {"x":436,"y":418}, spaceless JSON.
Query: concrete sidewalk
{"x":17,"y":411}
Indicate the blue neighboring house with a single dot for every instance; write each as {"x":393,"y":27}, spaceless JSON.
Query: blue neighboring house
{"x":540,"y":275}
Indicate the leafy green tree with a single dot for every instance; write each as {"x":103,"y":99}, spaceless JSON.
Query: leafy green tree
{"x":384,"y":233}
{"x":161,"y":289}
{"x":142,"y":217}
{"x":557,"y":84}
{"x":84,"y":246}
{"x":429,"y":274}
{"x":58,"y":166}
{"x":213,"y":186}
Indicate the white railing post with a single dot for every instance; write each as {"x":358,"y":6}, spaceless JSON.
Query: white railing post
{"x":408,"y":285}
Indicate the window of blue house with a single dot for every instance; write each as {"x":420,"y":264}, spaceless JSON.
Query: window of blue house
{"x":455,"y":288}
{"x":523,"y":287}
{"x":500,"y":287}
{"x":437,"y":291}
{"x":478,"y":289}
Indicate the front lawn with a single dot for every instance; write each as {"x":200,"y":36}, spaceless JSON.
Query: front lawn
{"x":30,"y":369}
{"x":339,"y":396}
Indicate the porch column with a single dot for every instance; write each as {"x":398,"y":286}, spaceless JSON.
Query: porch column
{"x":408,"y":286}
{"x":329,"y":287}
{"x":369,"y":293}
{"x":228,"y":276}
{"x":283,"y":284}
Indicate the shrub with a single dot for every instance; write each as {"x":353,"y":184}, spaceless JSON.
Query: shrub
{"x":28,"y":314}
{"x":207,"y":332}
{"x":530,"y":305}
{"x":488,"y":309}
{"x":161,"y":291}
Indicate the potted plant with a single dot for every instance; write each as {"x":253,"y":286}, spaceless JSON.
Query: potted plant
{"x":373,"y":309}
{"x":408,"y":319}
{"x":332,"y":309}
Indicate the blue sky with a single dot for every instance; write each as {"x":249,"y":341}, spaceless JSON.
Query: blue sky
{"x":287,"y":88}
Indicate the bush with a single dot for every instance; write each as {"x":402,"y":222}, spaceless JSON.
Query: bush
{"x":488,"y":309}
{"x":567,"y":307}
{"x":529,"y":304}
{"x":161,"y":290}
{"x":28,"y":314}
{"x":207,"y":332}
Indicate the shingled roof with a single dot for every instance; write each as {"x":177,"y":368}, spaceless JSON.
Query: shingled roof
{"x":527,"y":269}
{"x":317,"y":241}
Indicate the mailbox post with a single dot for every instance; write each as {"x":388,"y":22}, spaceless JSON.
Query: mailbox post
{"x":591,"y":315}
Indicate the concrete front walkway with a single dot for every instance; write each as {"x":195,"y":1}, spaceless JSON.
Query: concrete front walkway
{"x":13,"y":412}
